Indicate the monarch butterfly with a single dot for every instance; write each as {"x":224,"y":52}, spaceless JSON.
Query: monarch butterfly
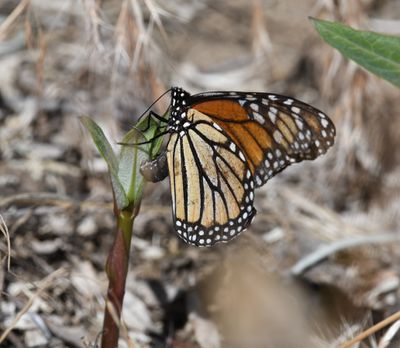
{"x":224,"y":145}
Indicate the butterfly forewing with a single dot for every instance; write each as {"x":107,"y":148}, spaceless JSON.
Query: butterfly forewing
{"x":211,"y":183}
{"x":272,"y":130}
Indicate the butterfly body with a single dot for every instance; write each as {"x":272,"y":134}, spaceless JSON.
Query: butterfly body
{"x":223,"y":145}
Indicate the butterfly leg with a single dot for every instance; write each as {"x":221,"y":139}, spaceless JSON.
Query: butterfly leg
{"x":152,"y":114}
{"x":158,"y":117}
{"x":155,"y":170}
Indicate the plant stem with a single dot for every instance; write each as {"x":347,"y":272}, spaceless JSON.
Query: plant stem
{"x":117,"y":269}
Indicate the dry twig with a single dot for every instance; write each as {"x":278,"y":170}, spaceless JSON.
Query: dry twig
{"x":371,"y":330}
{"x":4,"y":230}
{"x":6,"y":25}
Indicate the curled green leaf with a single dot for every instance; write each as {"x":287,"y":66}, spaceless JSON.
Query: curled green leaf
{"x":106,"y":151}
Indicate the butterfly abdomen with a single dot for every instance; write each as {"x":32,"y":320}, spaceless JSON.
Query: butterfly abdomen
{"x":155,"y":170}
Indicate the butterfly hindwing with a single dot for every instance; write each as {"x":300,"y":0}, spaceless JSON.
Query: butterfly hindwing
{"x":212,"y":186}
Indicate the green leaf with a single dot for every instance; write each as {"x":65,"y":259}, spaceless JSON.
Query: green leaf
{"x":378,"y":53}
{"x":119,"y":193}
{"x":106,"y":151}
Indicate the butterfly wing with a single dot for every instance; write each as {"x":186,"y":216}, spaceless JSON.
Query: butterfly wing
{"x":211,"y":183}
{"x":272,"y":130}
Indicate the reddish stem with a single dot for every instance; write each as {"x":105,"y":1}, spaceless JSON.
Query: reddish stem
{"x":117,"y":269}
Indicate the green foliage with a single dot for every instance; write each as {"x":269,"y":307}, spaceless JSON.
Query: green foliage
{"x":106,"y":151}
{"x":126,"y":180}
{"x":378,"y":53}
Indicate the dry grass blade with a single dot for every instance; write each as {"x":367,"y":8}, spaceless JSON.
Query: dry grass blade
{"x":126,"y":37}
{"x":389,"y":334}
{"x":156,"y":13}
{"x":143,"y":38}
{"x":54,"y":199}
{"x":38,"y":198}
{"x":4,"y":230}
{"x":310,"y":207}
{"x":327,"y":250}
{"x":371,"y":330}
{"x":6,"y":25}
{"x":262,"y":44}
{"x":326,"y":223}
{"x":94,"y":22}
{"x":113,"y":311}
{"x":41,"y":287}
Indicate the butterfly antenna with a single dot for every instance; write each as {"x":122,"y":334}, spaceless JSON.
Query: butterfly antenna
{"x":144,"y":113}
